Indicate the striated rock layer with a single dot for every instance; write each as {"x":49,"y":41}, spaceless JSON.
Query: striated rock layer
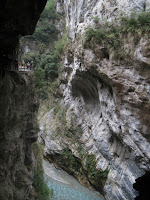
{"x":108,"y":98}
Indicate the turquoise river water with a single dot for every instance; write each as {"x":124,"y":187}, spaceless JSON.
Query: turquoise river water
{"x":65,"y":187}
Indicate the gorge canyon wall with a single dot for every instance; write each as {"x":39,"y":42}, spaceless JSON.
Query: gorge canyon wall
{"x":104,"y":97}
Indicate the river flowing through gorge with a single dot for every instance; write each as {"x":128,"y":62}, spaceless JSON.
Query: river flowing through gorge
{"x":65,"y":187}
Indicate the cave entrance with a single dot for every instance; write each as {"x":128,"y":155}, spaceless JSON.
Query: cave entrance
{"x":142,"y":185}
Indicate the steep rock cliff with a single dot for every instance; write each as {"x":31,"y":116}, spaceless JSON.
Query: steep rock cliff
{"x":105,"y":96}
{"x":18,"y":103}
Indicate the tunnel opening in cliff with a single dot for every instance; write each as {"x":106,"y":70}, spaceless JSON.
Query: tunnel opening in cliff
{"x":142,"y":186}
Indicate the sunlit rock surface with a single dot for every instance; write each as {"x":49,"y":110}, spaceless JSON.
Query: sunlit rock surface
{"x":109,"y":99}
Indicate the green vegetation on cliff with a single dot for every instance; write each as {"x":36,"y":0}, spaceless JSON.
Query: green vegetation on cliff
{"x":46,"y":49}
{"x":97,"y":176}
{"x":82,"y":168}
{"x":46,"y":32}
{"x":46,"y":58}
{"x":112,"y":35}
{"x":42,"y":190}
{"x":73,"y":162}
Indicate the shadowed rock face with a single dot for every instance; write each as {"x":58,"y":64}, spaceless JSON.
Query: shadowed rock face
{"x":16,"y":18}
{"x":18,"y":103}
{"x":18,"y":106}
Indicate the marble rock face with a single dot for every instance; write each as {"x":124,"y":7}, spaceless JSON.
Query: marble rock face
{"x":108,"y":99}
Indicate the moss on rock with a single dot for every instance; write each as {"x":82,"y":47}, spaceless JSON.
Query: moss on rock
{"x":83,"y":169}
{"x":42,"y":190}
